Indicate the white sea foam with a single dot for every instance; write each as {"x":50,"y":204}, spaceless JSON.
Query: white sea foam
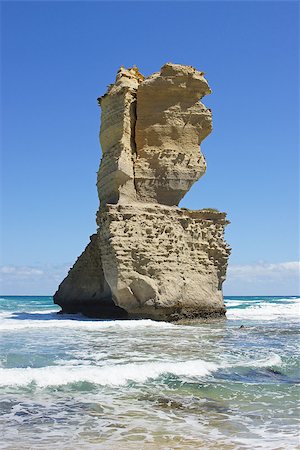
{"x":120,"y":374}
{"x":270,"y":361}
{"x":267,"y":311}
{"x":112,"y":375}
{"x":43,"y":311}
{"x":5,"y":314}
{"x":230,"y":303}
{"x":273,"y":360}
{"x":12,"y":324}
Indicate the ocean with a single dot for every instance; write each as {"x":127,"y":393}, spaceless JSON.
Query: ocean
{"x":68,"y":382}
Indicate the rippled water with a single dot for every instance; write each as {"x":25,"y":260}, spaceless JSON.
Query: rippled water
{"x":72,"y":383}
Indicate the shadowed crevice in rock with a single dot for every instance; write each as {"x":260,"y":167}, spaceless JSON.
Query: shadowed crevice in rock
{"x":85,"y":289}
{"x":115,"y":180}
{"x":149,"y":258}
{"x":96,"y":308}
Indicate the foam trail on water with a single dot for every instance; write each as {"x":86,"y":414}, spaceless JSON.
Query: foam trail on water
{"x":272,"y":360}
{"x":12,"y":324}
{"x":230,"y":303}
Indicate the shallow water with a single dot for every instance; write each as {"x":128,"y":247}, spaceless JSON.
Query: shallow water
{"x":71,"y":382}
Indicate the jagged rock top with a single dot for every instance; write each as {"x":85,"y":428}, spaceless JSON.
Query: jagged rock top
{"x":126,"y":78}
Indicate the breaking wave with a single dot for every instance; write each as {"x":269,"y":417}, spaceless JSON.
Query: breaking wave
{"x":51,"y":320}
{"x":114,"y":375}
{"x":118,"y":375}
{"x":290,"y":309}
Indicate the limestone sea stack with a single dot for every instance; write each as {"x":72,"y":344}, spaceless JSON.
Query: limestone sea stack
{"x":150,"y":258}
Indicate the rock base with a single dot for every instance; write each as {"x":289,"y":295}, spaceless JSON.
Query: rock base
{"x":150,"y":261}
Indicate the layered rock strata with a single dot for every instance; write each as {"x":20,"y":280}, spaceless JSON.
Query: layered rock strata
{"x":150,"y":258}
{"x":115,"y":181}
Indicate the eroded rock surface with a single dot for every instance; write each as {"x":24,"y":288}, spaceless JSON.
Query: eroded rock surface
{"x":164,"y":262}
{"x":115,"y":180}
{"x":171,"y":124}
{"x":150,"y":258}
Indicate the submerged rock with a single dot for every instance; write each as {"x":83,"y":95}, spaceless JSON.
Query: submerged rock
{"x":150,"y":258}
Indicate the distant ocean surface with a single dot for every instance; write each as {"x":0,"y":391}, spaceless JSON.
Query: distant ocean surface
{"x":67,"y":382}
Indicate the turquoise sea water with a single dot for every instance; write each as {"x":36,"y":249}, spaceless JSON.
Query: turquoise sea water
{"x":67,"y":382}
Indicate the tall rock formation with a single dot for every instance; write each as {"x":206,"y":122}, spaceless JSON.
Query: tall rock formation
{"x":150,"y":258}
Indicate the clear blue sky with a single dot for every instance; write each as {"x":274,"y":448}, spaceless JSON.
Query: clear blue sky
{"x":58,"y":57}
